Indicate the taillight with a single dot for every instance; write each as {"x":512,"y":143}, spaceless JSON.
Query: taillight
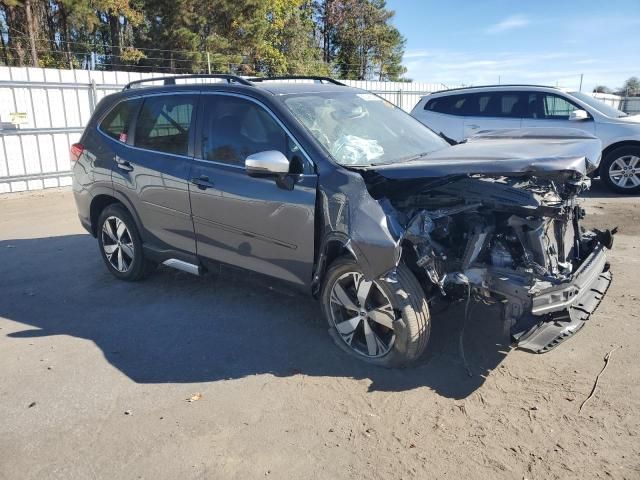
{"x":75,"y":152}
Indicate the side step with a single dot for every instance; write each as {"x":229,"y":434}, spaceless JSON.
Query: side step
{"x":184,"y":266}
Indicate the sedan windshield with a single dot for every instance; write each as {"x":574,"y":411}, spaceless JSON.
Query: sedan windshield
{"x":362,"y":129}
{"x":599,"y":105}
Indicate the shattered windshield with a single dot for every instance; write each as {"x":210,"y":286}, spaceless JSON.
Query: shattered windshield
{"x":362,"y":129}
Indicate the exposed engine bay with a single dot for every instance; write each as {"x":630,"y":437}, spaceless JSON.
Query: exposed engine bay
{"x":503,"y":240}
{"x":509,"y":235}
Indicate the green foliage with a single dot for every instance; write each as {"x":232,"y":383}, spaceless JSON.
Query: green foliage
{"x":349,"y":38}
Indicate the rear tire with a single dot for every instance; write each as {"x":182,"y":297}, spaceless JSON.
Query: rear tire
{"x":120,"y":244}
{"x":382,"y":323}
{"x":620,"y":170}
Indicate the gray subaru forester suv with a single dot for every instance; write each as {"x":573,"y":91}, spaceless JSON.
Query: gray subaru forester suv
{"x":340,"y":193}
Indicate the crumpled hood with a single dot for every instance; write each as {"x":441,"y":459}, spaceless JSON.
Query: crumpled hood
{"x":542,"y":152}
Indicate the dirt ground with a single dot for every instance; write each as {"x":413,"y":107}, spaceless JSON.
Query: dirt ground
{"x":95,"y":376}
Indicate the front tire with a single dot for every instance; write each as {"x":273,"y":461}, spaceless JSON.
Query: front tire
{"x":385,"y":324}
{"x":620,"y":170}
{"x":120,"y":244}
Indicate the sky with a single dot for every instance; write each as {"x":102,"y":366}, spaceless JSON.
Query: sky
{"x":543,"y":41}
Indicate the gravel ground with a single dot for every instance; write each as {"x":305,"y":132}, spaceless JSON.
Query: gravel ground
{"x":96,"y":376}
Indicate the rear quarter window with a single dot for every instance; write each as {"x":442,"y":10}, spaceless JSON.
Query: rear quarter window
{"x":116,"y":123}
{"x":451,"y":105}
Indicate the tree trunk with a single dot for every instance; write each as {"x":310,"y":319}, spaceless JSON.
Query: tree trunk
{"x":114,"y":28}
{"x":326,"y":31}
{"x":5,"y":53}
{"x":4,"y":50}
{"x":66,"y":38}
{"x":12,"y":19}
{"x":32,"y":32}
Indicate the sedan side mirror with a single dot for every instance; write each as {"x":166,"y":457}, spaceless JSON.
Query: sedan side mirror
{"x":578,"y":115}
{"x":269,"y":162}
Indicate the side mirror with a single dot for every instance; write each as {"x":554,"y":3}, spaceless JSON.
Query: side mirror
{"x":578,"y":115}
{"x":269,"y":162}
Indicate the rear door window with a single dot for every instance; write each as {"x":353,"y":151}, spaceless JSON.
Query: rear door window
{"x":487,"y":104}
{"x":165,"y":123}
{"x":463,"y":105}
{"x":501,"y":104}
{"x":116,"y":123}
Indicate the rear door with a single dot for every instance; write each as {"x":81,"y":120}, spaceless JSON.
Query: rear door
{"x":255,"y":223}
{"x":153,"y":170}
{"x":553,"y":110}
{"x":491,"y":111}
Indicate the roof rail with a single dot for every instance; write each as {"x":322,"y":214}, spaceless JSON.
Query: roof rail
{"x":172,"y":80}
{"x":495,"y":86}
{"x":317,"y":79}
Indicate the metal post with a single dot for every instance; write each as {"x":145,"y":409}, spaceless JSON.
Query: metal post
{"x":93,"y":96}
{"x":209,"y":63}
{"x":581,"y":75}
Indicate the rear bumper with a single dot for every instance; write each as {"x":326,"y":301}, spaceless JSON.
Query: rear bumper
{"x":563,"y":310}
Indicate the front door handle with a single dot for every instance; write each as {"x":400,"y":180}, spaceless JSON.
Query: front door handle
{"x":202,"y":182}
{"x":473,"y":126}
{"x":123,"y":165}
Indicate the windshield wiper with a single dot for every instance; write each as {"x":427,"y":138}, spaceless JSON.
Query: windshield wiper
{"x":449,"y":140}
{"x":411,"y":158}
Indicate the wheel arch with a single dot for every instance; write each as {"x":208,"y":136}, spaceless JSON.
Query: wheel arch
{"x":333,"y":246}
{"x":102,"y":201}
{"x":98,"y":204}
{"x":616,"y":145}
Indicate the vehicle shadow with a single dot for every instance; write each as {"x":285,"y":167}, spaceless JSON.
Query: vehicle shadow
{"x":600,"y":190}
{"x":175,"y":327}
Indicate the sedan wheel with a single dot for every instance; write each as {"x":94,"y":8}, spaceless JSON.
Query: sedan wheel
{"x":624,"y":172}
{"x":117,"y":244}
{"x":620,"y":170}
{"x":363,"y":315}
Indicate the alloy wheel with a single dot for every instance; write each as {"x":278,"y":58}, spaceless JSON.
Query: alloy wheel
{"x":117,"y":244}
{"x":625,"y":171}
{"x":362,"y":315}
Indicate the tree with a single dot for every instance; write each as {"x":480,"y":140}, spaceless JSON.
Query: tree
{"x":601,"y":89}
{"x":120,"y":16}
{"x":631,"y":87}
{"x":350,"y":38}
{"x":361,"y":40}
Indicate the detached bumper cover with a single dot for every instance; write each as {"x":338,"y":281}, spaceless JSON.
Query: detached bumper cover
{"x":567,"y":307}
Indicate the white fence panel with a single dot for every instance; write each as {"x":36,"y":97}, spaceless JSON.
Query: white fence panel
{"x":58,"y":103}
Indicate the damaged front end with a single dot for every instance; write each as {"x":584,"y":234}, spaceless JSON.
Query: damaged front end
{"x":488,"y":219}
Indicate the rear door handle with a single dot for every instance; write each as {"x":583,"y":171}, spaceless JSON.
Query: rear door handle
{"x":473,"y":126}
{"x":123,"y":165}
{"x":202,"y":182}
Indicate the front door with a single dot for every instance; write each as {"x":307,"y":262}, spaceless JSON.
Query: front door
{"x":552,"y":111}
{"x":257,"y":223}
{"x":153,"y":171}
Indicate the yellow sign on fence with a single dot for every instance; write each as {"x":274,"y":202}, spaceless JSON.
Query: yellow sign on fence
{"x":18,"y":118}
